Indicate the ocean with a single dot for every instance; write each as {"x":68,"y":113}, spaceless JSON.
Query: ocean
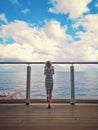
{"x":86,"y":84}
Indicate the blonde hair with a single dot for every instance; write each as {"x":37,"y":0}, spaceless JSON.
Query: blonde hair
{"x":48,"y":64}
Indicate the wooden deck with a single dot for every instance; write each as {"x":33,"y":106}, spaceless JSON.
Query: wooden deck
{"x":60,"y":117}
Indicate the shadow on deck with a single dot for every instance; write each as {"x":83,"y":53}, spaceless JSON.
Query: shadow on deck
{"x":60,"y":117}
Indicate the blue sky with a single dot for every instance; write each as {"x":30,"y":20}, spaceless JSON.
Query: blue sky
{"x":56,"y":30}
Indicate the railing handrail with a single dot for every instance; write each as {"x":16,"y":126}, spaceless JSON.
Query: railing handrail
{"x":57,"y":62}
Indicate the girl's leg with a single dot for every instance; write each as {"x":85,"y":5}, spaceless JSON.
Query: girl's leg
{"x":50,"y":94}
{"x":48,"y":97}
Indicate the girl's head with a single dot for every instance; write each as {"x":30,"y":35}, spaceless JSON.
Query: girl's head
{"x":48,"y":64}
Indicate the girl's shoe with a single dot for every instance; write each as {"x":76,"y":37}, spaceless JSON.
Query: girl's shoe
{"x":49,"y":107}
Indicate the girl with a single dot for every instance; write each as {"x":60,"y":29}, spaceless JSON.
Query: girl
{"x":49,"y":71}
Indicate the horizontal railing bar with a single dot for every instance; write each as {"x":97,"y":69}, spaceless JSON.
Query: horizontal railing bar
{"x":52,"y":62}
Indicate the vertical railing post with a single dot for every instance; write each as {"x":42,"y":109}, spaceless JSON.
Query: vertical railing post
{"x":72,"y":85}
{"x":28,"y":85}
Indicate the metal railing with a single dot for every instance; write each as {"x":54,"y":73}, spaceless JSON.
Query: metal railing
{"x":28,"y":82}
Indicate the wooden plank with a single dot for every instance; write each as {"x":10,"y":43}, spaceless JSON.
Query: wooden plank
{"x":38,"y":117}
{"x":64,"y":100}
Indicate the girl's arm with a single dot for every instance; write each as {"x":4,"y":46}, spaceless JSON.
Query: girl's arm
{"x":44,"y":70}
{"x":52,"y":70}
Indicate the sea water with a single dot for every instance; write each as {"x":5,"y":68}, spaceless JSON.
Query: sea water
{"x":86,"y":84}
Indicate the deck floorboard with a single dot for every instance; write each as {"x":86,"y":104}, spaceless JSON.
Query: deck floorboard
{"x":38,"y":117}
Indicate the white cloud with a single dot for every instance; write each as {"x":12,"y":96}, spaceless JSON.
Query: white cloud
{"x":16,"y":51}
{"x":50,"y":42}
{"x":31,"y":43}
{"x":96,"y":5}
{"x":54,"y":30}
{"x":91,"y":19}
{"x":16,"y":2}
{"x":25,"y":11}
{"x":74,"y":8}
{"x":3,"y":18}
{"x":90,"y":36}
{"x":87,"y":48}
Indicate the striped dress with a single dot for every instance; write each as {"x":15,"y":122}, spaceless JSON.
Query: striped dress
{"x":49,"y":77}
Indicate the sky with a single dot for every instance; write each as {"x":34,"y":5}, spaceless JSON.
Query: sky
{"x":55,"y":30}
